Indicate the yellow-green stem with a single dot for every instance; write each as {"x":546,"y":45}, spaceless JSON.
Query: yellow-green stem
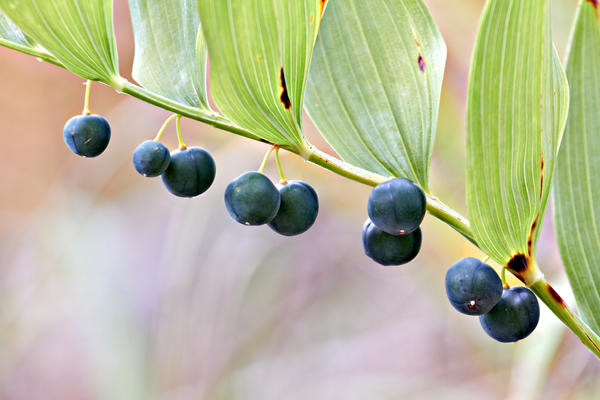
{"x":40,"y":55}
{"x":86,"y":102}
{"x":282,"y":179}
{"x":182,"y":145}
{"x":503,"y":278}
{"x":164,"y":127}
{"x":587,"y":336}
{"x":265,"y":159}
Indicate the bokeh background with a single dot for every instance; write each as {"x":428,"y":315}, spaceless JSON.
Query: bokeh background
{"x":111,"y":288}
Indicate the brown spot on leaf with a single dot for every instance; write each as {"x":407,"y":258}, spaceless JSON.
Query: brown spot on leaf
{"x":421,"y":63}
{"x":519,"y":263}
{"x":555,"y":295}
{"x":259,"y":58}
{"x":322,"y":4}
{"x":537,"y":217}
{"x":594,"y":3}
{"x":531,"y":234}
{"x":312,"y":18}
{"x":285,"y":99}
{"x":542,"y":177}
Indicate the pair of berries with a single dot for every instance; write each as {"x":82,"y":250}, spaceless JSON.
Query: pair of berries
{"x":391,"y":235}
{"x":506,"y":315}
{"x":252,"y":199}
{"x":186,"y":172}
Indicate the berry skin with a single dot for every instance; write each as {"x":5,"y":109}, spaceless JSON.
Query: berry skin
{"x":387,"y":249}
{"x":190,"y":172}
{"x":87,"y":135}
{"x":397,"y":206}
{"x":298,"y":209}
{"x":151,"y":158}
{"x":252,"y":199}
{"x":514,"y":317}
{"x":472,"y":286}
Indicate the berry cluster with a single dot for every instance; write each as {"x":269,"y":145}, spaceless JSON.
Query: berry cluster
{"x":391,"y":235}
{"x":252,"y":199}
{"x":506,"y":314}
{"x":185,"y":172}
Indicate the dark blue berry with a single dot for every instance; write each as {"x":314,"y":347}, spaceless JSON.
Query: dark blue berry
{"x":298,"y":209}
{"x":514,"y":317}
{"x":190,"y":172}
{"x":397,"y":206}
{"x":388,"y":249}
{"x":151,"y":158}
{"x":252,"y":199}
{"x":472,"y":286}
{"x":87,"y":135}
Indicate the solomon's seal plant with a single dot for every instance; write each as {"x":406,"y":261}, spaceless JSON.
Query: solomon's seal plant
{"x":529,"y":130}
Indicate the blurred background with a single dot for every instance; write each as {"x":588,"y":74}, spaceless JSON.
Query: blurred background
{"x":114,"y":289}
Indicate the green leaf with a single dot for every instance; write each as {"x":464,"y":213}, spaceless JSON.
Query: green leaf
{"x":13,"y":38}
{"x":79,"y":33}
{"x":170,"y":52}
{"x":10,"y":32}
{"x":259,"y":53}
{"x":577,"y":186}
{"x":516,"y":110}
{"x":375,"y":82}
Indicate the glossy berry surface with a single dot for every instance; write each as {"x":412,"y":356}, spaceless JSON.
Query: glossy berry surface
{"x":387,"y":249}
{"x":472,"y":286}
{"x":87,"y":135}
{"x":151,"y":158}
{"x":252,"y":199}
{"x":397,"y":206}
{"x":190,"y":172}
{"x":514,"y":317}
{"x":298,"y":209}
